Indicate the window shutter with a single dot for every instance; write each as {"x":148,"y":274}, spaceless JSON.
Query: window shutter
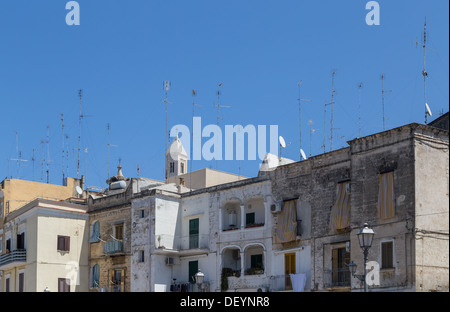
{"x":67,"y":243}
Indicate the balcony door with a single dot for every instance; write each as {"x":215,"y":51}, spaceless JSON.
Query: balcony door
{"x":289,"y":268}
{"x":193,"y":233}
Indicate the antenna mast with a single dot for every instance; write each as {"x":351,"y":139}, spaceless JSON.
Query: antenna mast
{"x":382,"y":100}
{"x":63,"y":148}
{"x":424,"y":72}
{"x":333,"y":92}
{"x":194,"y":93}
{"x":108,"y":126}
{"x":218,"y":115}
{"x":300,"y":115}
{"x":48,"y":153}
{"x":359,"y":108}
{"x":19,"y":156}
{"x":166,"y":87}
{"x":79,"y":135}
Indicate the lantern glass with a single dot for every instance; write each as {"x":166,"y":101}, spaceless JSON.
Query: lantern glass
{"x":199,"y":276}
{"x":365,"y":236}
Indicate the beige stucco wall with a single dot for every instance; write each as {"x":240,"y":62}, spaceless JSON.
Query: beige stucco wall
{"x":431,"y":213}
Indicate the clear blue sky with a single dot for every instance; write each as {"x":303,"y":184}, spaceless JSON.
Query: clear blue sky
{"x":123,"y":50}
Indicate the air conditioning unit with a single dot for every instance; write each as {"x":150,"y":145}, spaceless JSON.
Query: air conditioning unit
{"x":170,"y":261}
{"x":274,"y":208}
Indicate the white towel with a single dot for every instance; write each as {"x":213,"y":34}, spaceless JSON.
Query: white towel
{"x":298,"y":282}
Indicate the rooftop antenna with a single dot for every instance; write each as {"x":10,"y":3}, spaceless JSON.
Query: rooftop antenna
{"x":218,"y":114}
{"x":194,"y":93}
{"x":67,"y":154}
{"x":19,"y":156}
{"x":63,"y":147}
{"x":48,"y":153}
{"x":324,"y":127}
{"x":300,"y":114}
{"x":42,"y":160}
{"x":359,"y":108}
{"x":33,"y":160}
{"x":109,"y":145}
{"x":382,"y":100}
{"x":80,"y":117}
{"x":311,"y":131}
{"x":424,"y":72}
{"x":166,"y":88}
{"x":333,"y":92}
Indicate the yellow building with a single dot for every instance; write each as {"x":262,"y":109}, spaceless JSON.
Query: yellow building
{"x":44,"y":247}
{"x":15,"y":193}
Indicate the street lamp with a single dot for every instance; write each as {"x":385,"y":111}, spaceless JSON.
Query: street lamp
{"x":199,"y":276}
{"x":365,"y":238}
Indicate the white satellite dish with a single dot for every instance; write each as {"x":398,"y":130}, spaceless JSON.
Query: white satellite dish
{"x":282,"y":141}
{"x":79,"y":190}
{"x":303,"y":154}
{"x":428,"y":109}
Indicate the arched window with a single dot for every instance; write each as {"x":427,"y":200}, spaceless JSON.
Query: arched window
{"x":95,"y":232}
{"x":95,"y":276}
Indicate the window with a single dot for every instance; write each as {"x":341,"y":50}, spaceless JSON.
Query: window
{"x":63,"y":243}
{"x":21,"y":241}
{"x":8,"y":245}
{"x":250,"y":218}
{"x":172,"y":167}
{"x":63,"y":285}
{"x":193,"y":269}
{"x":340,"y":273}
{"x":95,"y":276}
{"x":182,"y":167}
{"x":21,"y":282}
{"x":141,"y":256}
{"x":95,"y":232}
{"x":387,"y":255}
{"x":193,"y":233}
{"x":118,"y":231}
{"x":142,"y":213}
{"x":7,"y":284}
{"x":118,"y":280}
{"x":386,"y":200}
{"x":256,"y":261}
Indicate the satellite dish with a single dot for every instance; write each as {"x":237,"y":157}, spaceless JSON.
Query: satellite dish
{"x":303,"y":154}
{"x":79,"y":190}
{"x":282,"y":142}
{"x":428,"y":109}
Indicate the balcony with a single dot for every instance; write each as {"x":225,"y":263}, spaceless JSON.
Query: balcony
{"x":13,"y":258}
{"x":337,"y":278}
{"x":182,"y":245}
{"x":113,"y":247}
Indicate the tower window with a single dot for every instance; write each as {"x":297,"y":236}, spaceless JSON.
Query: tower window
{"x":172,"y":167}
{"x":182,"y":167}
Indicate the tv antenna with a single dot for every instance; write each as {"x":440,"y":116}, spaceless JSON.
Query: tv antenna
{"x":194,"y":93}
{"x":33,"y":160}
{"x":63,"y":147}
{"x":166,"y":88}
{"x":48,"y":154}
{"x":18,"y":155}
{"x":300,"y":114}
{"x":218,"y":115}
{"x":360,"y":85}
{"x":80,"y":117}
{"x":382,"y":100}
{"x":424,"y":72}
{"x":109,"y":145}
{"x":333,"y":92}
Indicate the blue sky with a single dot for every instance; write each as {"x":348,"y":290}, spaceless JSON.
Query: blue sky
{"x":122,"y":51}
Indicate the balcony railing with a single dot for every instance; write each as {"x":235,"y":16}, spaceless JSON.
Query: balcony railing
{"x":181,"y":243}
{"x":113,"y":247}
{"x":337,"y":277}
{"x":19,"y":255}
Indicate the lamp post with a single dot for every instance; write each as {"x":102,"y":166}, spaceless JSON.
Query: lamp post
{"x":199,"y":276}
{"x":365,"y":238}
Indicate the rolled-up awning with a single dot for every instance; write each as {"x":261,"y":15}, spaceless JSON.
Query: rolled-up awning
{"x":286,"y":230}
{"x":386,"y":200}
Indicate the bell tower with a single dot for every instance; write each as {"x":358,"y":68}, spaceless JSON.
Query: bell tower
{"x":176,"y":159}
